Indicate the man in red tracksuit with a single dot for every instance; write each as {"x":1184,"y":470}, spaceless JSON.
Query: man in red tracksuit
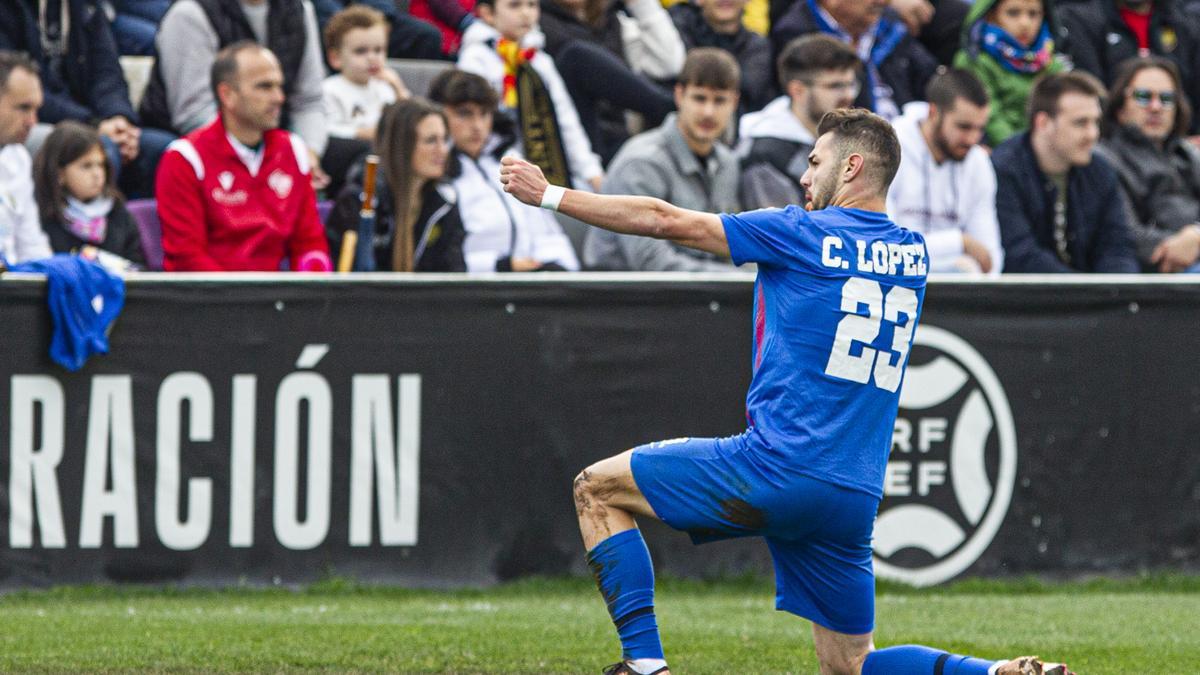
{"x":237,"y":195}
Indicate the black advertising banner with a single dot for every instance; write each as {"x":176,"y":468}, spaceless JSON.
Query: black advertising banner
{"x":426,"y":432}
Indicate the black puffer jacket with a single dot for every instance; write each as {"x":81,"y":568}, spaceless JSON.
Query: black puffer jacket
{"x":89,"y":85}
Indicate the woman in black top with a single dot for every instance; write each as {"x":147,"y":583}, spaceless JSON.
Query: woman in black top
{"x":412,"y":144}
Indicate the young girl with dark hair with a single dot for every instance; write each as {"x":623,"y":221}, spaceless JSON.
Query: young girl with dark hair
{"x":78,"y":204}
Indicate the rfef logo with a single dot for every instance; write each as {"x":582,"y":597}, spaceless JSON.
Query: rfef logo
{"x":952,"y":466}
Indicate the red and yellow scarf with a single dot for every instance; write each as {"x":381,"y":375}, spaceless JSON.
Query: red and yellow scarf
{"x":514,"y":57}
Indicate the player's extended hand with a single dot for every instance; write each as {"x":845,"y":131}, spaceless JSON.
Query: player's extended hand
{"x":523,"y":180}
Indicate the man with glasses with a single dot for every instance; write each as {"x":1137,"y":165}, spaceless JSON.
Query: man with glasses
{"x":1145,"y":126}
{"x":1062,"y":205}
{"x":817,"y":74}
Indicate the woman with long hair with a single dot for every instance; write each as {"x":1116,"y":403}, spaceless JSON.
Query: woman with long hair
{"x":417,"y":225}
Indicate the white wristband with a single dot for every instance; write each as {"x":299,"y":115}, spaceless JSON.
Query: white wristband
{"x":552,"y":197}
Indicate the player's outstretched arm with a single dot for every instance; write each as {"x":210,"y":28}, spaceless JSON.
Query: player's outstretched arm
{"x":644,"y":216}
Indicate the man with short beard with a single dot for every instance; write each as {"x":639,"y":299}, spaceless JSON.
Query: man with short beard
{"x":837,"y":301}
{"x":946,"y":187}
{"x":817,"y":74}
{"x":1062,"y":204}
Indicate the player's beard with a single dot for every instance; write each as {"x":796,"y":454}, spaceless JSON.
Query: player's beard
{"x":822,"y":193}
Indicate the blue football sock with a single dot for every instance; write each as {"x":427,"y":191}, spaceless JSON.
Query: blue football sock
{"x":918,"y":660}
{"x":622,"y":569}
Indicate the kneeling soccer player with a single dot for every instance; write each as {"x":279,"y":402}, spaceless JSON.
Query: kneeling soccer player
{"x":837,"y":298}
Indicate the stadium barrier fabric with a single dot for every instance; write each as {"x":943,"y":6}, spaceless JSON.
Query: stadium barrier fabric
{"x":425,"y":430}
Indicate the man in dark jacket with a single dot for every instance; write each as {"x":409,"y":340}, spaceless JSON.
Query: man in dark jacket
{"x":897,"y":66}
{"x":1145,"y":123}
{"x":717,"y":23}
{"x":1100,"y":34}
{"x":72,"y":45}
{"x":1060,"y":206}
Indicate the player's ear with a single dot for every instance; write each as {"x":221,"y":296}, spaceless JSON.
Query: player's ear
{"x":853,"y":167}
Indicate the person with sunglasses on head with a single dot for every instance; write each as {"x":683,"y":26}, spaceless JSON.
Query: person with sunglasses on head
{"x":1145,"y":127}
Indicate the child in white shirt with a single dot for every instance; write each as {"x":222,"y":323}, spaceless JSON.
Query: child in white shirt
{"x":356,"y":39}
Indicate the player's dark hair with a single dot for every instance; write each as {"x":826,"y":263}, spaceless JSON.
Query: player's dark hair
{"x":1049,"y":89}
{"x":856,"y":130}
{"x":951,"y":84}
{"x":710,"y":67}
{"x":806,"y":56}
{"x":10,"y":61}
{"x":225,"y":65}
{"x":1118,"y":94}
{"x":457,"y":87}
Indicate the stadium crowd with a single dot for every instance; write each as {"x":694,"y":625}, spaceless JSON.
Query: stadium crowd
{"x":1037,"y":136}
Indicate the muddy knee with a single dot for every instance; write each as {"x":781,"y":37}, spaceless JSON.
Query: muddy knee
{"x":584,"y":489}
{"x":593,"y":489}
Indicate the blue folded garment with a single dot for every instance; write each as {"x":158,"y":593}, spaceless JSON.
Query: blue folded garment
{"x":84,"y":299}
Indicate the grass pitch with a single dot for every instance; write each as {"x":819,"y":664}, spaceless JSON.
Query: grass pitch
{"x":1146,"y":625}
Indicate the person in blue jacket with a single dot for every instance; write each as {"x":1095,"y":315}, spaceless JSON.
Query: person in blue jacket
{"x":1059,"y":203}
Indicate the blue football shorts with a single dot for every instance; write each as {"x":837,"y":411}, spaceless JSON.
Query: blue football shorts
{"x":819,"y":534}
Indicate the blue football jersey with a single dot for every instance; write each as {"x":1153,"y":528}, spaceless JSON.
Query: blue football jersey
{"x":836,"y":302}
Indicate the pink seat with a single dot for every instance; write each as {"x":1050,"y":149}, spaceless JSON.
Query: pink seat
{"x":145,"y":214}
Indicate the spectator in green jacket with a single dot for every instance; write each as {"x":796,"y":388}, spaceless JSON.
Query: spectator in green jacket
{"x":1008,"y":44}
